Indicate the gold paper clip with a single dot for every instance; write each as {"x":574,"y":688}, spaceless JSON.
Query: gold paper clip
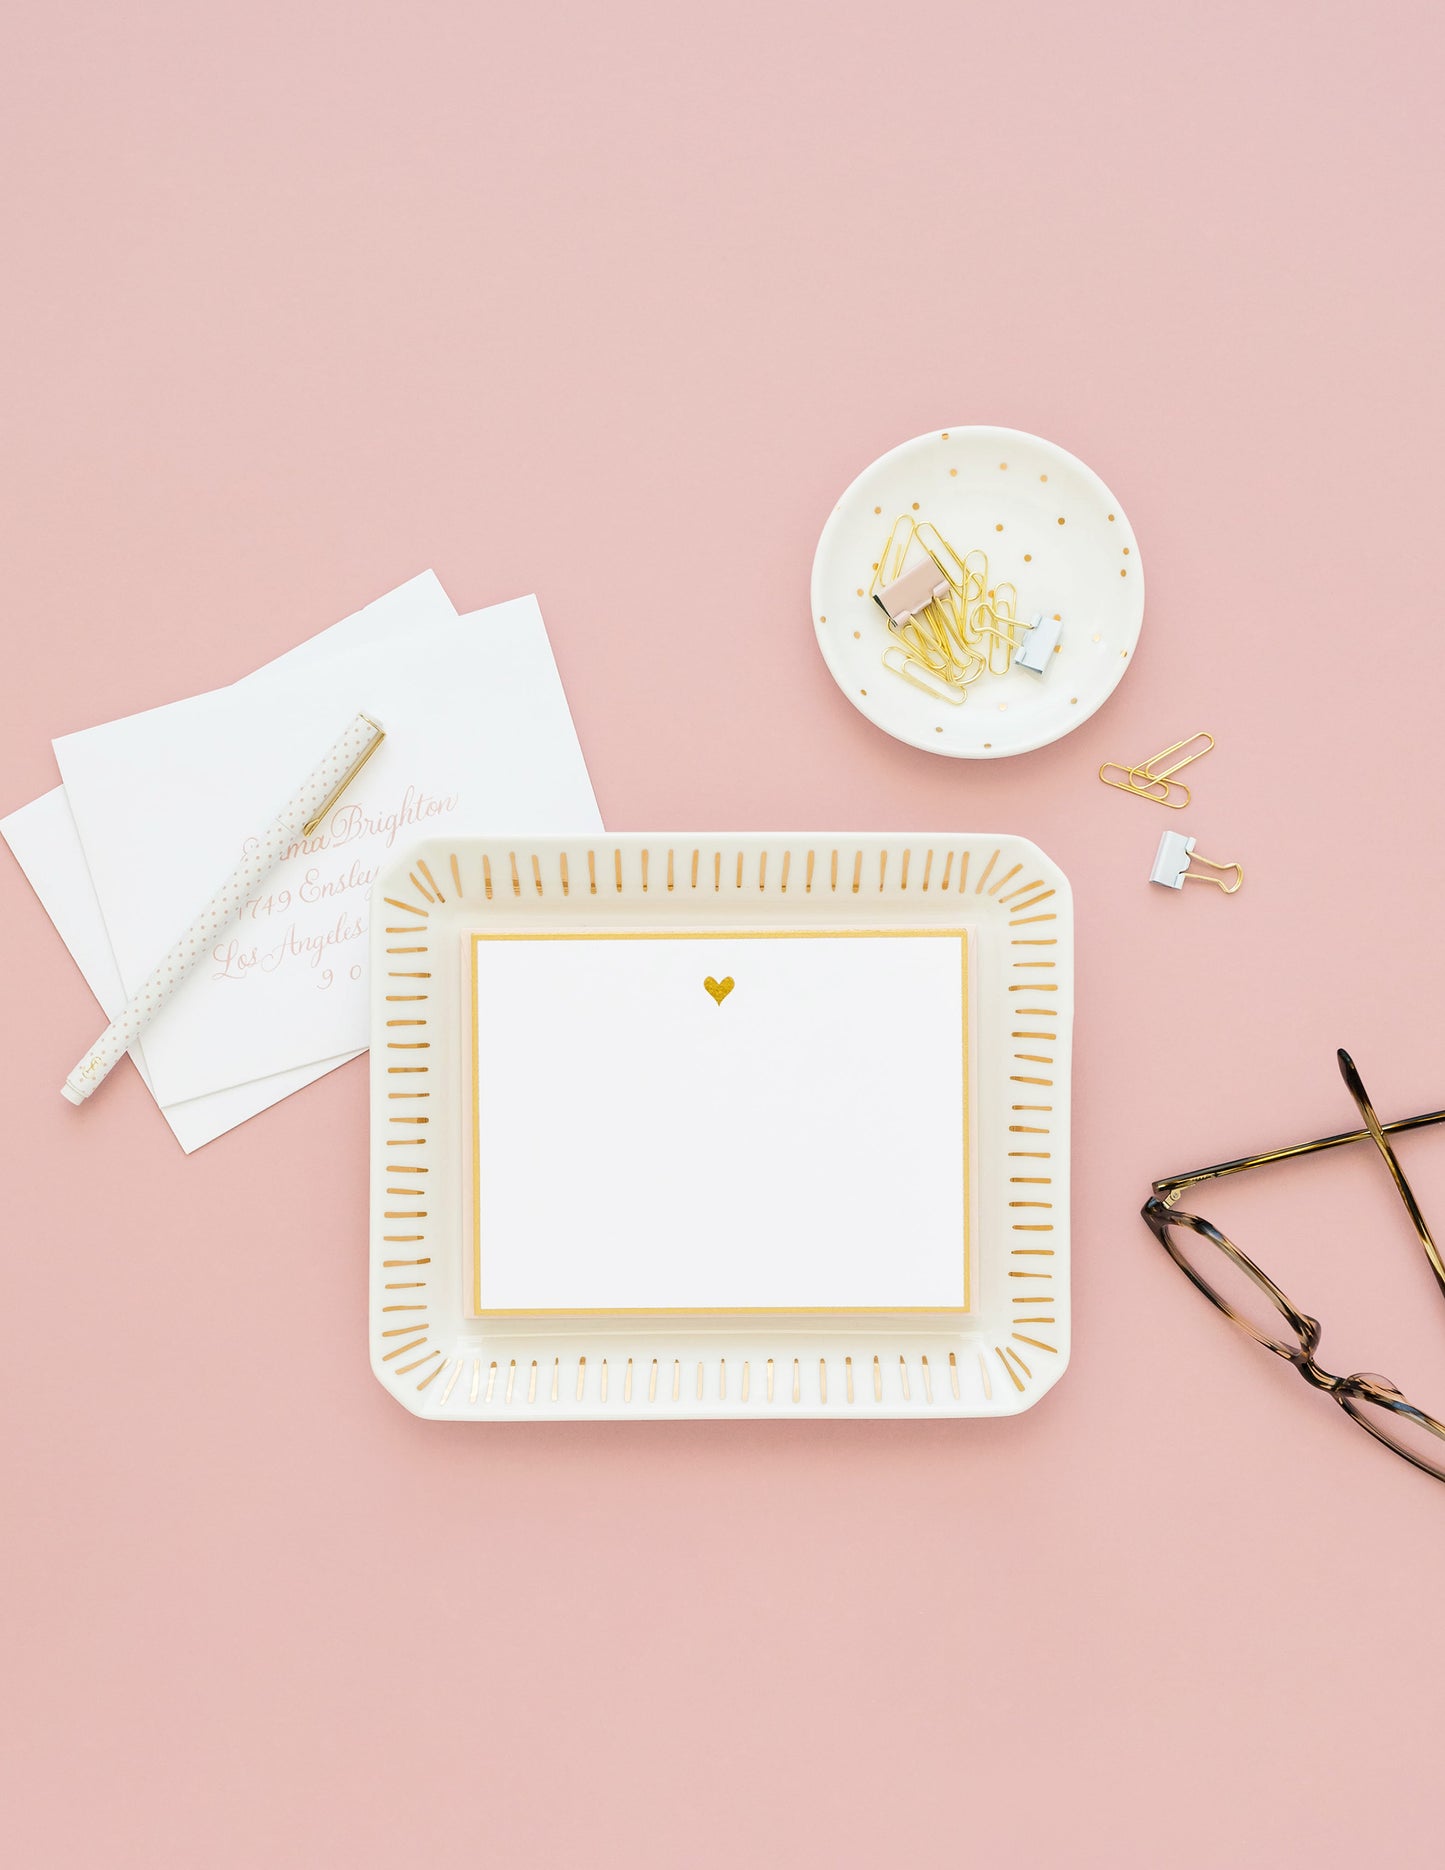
{"x":1173,"y":863}
{"x":922,"y":675}
{"x":1158,"y":790}
{"x":975,"y":566}
{"x":1150,"y":780}
{"x":891,"y":558}
{"x":943,"y":555}
{"x":318,"y":818}
{"x":997,"y":611}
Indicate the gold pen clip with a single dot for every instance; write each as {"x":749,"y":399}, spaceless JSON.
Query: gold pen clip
{"x":314,"y":823}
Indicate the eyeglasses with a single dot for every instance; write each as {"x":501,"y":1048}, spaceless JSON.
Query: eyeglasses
{"x":1250,"y":1299}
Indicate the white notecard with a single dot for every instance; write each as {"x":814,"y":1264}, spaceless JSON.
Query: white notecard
{"x":478,"y":736}
{"x":646,"y":1138}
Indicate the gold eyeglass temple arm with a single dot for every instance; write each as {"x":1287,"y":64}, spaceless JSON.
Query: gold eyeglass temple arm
{"x":1392,"y":1163}
{"x":1170,"y":1187}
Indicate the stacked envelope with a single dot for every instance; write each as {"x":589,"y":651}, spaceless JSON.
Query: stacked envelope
{"x":157,"y":808}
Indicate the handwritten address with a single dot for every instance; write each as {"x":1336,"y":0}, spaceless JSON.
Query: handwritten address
{"x":317,"y":940}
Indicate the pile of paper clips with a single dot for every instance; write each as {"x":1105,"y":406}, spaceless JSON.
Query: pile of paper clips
{"x":952,"y":625}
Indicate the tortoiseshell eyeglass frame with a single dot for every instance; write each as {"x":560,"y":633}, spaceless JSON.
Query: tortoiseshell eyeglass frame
{"x":1299,"y":1345}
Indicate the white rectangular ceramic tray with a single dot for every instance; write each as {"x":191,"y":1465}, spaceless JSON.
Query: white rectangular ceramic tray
{"x":441,"y":1362}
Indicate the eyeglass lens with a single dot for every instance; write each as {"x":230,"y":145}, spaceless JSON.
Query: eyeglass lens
{"x":1243,"y":1298}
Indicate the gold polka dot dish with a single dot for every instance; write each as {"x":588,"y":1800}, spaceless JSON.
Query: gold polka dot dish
{"x":1054,"y":548}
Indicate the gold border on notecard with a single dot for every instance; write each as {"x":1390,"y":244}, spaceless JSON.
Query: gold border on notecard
{"x":478,"y":1310}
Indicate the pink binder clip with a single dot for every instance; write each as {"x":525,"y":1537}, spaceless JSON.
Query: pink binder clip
{"x":911,"y":593}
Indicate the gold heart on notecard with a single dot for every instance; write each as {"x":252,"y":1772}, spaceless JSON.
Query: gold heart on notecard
{"x":720,"y":989}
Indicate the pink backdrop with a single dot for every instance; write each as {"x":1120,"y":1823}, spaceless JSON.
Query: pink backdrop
{"x":301,"y":300}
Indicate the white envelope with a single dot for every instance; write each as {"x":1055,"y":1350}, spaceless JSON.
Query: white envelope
{"x":44,"y":838}
{"x":478,"y":737}
{"x":47,"y":846}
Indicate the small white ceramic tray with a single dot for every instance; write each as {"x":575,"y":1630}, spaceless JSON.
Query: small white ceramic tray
{"x":1048,"y":524}
{"x":440,"y":1362}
